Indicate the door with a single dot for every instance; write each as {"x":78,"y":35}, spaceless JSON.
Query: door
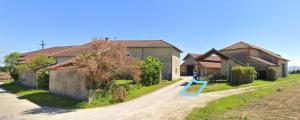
{"x":283,"y":70}
{"x":189,"y":70}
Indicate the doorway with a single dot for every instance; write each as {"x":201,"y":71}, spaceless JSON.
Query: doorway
{"x":189,"y":70}
{"x":261,"y":74}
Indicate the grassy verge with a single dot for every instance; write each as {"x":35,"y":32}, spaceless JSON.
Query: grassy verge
{"x":39,"y":97}
{"x":236,"y":101}
{"x":226,"y":86}
{"x":133,"y":93}
{"x":44,"y":98}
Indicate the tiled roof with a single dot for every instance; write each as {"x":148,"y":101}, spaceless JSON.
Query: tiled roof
{"x":63,"y":65}
{"x":129,"y":43}
{"x":49,"y":51}
{"x":214,"y":51}
{"x":211,"y":64}
{"x":242,"y":44}
{"x":210,"y":58}
{"x":263,"y":61}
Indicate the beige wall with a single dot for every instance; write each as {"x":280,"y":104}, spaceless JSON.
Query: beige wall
{"x":226,"y":67}
{"x":283,"y":73}
{"x":238,"y":54}
{"x":258,"y":64}
{"x":68,"y":83}
{"x":28,"y":79}
{"x":262,"y":55}
{"x":169,"y":57}
{"x":175,"y":65}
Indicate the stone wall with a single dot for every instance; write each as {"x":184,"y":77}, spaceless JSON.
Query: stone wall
{"x":238,"y":54}
{"x":68,"y":83}
{"x":169,"y":57}
{"x":28,"y":79}
{"x":188,"y":61}
{"x":175,"y":65}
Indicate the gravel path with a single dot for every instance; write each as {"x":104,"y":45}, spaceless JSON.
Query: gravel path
{"x":11,"y":106}
{"x":164,"y":104}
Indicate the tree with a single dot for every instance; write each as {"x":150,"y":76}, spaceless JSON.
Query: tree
{"x":36,"y":64}
{"x":11,"y":62}
{"x":104,"y":62}
{"x":151,"y":69}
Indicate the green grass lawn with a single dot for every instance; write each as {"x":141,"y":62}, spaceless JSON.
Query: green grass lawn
{"x":39,"y":97}
{"x":226,"y":86}
{"x":44,"y":98}
{"x":220,"y":106}
{"x":135,"y":92}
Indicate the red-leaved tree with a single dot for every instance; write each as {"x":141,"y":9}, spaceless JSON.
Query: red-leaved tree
{"x":106,"y":61}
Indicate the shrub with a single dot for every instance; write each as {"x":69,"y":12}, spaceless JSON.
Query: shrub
{"x":120,"y":94}
{"x":217,"y":77}
{"x":243,"y":75}
{"x":272,"y":73}
{"x":43,"y":79}
{"x":151,"y":69}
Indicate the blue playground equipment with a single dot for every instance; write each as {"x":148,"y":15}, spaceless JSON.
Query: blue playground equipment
{"x":183,"y":91}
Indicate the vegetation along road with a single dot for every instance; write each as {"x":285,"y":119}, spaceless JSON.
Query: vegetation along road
{"x":166,"y":103}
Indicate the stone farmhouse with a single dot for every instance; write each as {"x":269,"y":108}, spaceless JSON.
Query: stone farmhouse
{"x":28,"y":78}
{"x":245,"y":54}
{"x":63,"y":79}
{"x":208,"y":66}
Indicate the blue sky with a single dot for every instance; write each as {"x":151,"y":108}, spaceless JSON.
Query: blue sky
{"x":192,"y":25}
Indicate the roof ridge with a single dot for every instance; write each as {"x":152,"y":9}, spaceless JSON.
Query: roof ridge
{"x":171,"y":45}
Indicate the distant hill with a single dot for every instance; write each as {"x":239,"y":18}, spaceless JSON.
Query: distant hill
{"x":294,"y":68}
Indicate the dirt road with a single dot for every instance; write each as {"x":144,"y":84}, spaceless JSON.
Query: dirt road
{"x":165,"y":103}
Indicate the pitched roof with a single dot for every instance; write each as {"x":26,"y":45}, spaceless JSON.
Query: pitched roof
{"x":129,"y":43}
{"x":210,"y":64}
{"x":263,"y":61}
{"x":242,"y":44}
{"x":25,"y":57}
{"x":214,"y":51}
{"x":64,"y":65}
{"x":195,"y":56}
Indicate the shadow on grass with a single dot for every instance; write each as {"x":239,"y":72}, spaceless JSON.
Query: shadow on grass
{"x":46,"y":99}
{"x":49,"y":103}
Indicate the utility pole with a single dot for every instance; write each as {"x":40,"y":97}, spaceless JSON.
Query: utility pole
{"x":43,"y":44}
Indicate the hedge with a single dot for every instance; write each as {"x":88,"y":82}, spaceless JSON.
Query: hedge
{"x":272,"y":73}
{"x":243,"y":75}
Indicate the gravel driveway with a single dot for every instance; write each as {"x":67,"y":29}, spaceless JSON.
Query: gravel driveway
{"x":165,"y":103}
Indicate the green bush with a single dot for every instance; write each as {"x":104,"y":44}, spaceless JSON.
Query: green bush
{"x":272,"y":73}
{"x":11,"y":61}
{"x":43,"y":79}
{"x":151,"y":69}
{"x":243,"y":75}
